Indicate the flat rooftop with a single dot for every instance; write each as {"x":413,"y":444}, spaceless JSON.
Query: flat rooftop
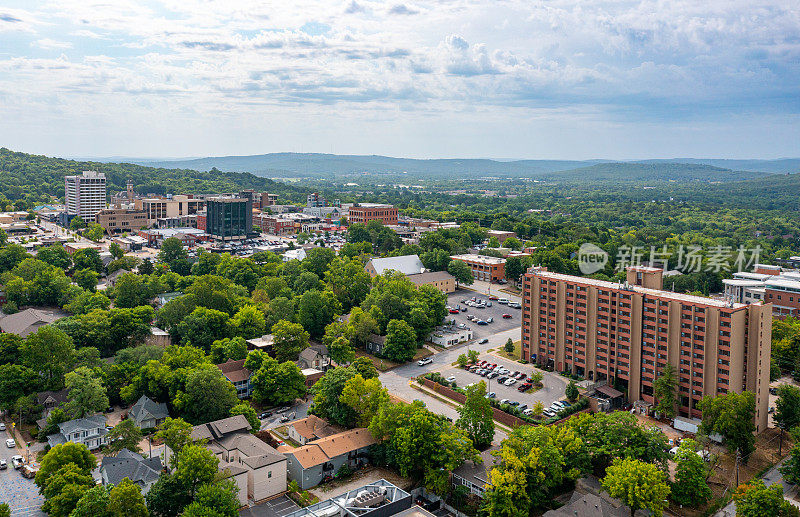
{"x":482,"y":259}
{"x":357,"y":502}
{"x":681,"y":297}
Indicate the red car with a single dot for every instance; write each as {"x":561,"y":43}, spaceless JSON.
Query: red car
{"x":455,"y":311}
{"x":524,"y":387}
{"x":507,"y":316}
{"x":492,"y":297}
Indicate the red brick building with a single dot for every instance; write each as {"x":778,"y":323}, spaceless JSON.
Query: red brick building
{"x":366,"y":212}
{"x":625,"y":334}
{"x":487,"y":269}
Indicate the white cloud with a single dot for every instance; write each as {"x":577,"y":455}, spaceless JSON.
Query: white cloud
{"x":51,"y":44}
{"x":370,"y":58}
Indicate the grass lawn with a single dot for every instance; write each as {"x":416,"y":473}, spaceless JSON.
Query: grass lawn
{"x":515,"y":355}
{"x":384,"y":364}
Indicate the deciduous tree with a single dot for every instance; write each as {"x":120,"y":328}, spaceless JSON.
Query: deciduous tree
{"x":637,"y":484}
{"x":289,"y":340}
{"x":664,"y":388}
{"x":476,"y":416}
{"x":690,"y":487}
{"x":125,"y":435}
{"x":86,"y":392}
{"x":732,"y":416}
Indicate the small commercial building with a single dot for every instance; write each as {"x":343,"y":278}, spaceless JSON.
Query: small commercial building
{"x":501,"y":235}
{"x":449,"y":335}
{"x":115,"y":220}
{"x":378,"y":499}
{"x":486,"y":269}
{"x":366,"y":212}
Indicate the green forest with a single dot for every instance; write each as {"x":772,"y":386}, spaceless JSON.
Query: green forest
{"x":27,"y":179}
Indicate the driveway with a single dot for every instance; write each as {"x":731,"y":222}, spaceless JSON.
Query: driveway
{"x":278,"y":507}
{"x":296,"y":412}
{"x":19,"y":493}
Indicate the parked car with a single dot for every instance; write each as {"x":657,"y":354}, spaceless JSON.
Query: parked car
{"x":481,"y":322}
{"x":265,"y":414}
{"x":17,"y":461}
{"x":528,"y":412}
{"x":463,"y":309}
{"x":492,"y":297}
{"x":29,"y":471}
{"x":503,"y":301}
{"x":10,"y":443}
{"x":549,"y":413}
{"x":524,"y":387}
{"x":502,"y":378}
{"x":424,"y":361}
{"x":514,"y":305}
{"x":507,"y":316}
{"x":504,"y":401}
{"x":490,"y":320}
{"x":523,"y":407}
{"x":451,"y":379}
{"x":514,"y":403}
{"x":2,"y":426}
{"x":483,"y":341}
{"x":510,"y":382}
{"x":3,"y":465}
{"x":491,"y":395}
{"x":488,"y":304}
{"x":453,"y":311}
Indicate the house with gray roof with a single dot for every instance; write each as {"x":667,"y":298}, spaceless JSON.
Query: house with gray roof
{"x":127,"y":464}
{"x":315,"y":356}
{"x":90,"y":431}
{"x":28,"y":321}
{"x":407,"y":264}
{"x":257,"y":468}
{"x":147,"y":413}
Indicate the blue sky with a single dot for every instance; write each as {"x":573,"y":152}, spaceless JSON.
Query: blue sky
{"x":501,"y":78}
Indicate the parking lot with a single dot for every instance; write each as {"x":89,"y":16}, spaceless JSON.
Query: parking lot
{"x":495,"y":312}
{"x":554,"y":384}
{"x":278,"y":507}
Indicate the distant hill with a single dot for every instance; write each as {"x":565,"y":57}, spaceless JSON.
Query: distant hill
{"x":652,"y":172}
{"x":23,"y":175}
{"x":332,"y":165}
{"x":777,"y":191}
{"x":305,"y":164}
{"x":782,"y":165}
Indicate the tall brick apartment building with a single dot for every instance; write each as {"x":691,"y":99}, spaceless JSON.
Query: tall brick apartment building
{"x":626,"y":334}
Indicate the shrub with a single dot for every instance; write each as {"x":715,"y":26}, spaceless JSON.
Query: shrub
{"x":10,"y":308}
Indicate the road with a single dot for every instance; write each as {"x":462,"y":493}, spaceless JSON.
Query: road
{"x":397,"y":379}
{"x":19,"y":493}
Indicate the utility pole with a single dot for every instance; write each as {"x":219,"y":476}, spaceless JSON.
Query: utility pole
{"x":737,"y":467}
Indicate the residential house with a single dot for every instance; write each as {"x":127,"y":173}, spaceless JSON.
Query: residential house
{"x":309,"y":429}
{"x":90,"y":431}
{"x":238,"y":375}
{"x":315,"y":356}
{"x":257,"y":468}
{"x":262,"y":343}
{"x":475,"y":476}
{"x":28,"y":321}
{"x":147,"y":413}
{"x":592,"y":505}
{"x":375,"y":344}
{"x":321,"y":459}
{"x":158,"y":337}
{"x":49,"y":400}
{"x":126,"y":464}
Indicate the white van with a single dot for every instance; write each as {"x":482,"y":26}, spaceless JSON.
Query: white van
{"x":503,"y":301}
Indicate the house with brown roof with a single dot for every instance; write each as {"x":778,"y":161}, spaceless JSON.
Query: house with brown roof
{"x":238,"y":375}
{"x":257,"y":468}
{"x":309,"y":429}
{"x":320,"y":459}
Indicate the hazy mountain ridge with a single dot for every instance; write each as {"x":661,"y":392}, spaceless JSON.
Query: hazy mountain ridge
{"x":317,"y":164}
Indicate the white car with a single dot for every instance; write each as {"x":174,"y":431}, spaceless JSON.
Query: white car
{"x":2,"y":426}
{"x":510,"y":382}
{"x":451,"y":379}
{"x":424,"y":361}
{"x":10,"y":443}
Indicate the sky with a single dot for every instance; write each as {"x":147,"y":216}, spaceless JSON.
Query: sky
{"x":566,"y":79}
